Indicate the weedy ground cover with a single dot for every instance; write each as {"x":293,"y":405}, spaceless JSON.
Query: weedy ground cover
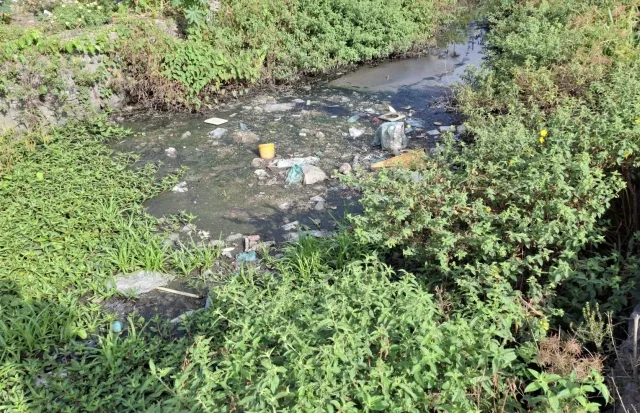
{"x":451,"y":292}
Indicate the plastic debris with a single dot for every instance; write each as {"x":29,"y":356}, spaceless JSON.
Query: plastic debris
{"x":243,"y":127}
{"x":249,"y":256}
{"x":353,"y":119}
{"x":215,"y":121}
{"x":218,"y":133}
{"x":288,"y":163}
{"x":295,"y":175}
{"x":290,"y":226}
{"x":391,"y":136}
{"x":391,"y":109}
{"x":142,"y":282}
{"x":251,"y":242}
{"x":117,"y":326}
{"x":392,"y":117}
{"x":404,"y":160}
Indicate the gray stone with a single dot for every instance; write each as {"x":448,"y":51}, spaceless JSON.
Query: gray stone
{"x":345,"y":169}
{"x":317,"y":198}
{"x":278,"y":107}
{"x":258,"y":163}
{"x":245,"y":137}
{"x":461,"y":129}
{"x":313,"y":175}
{"x":446,"y":128}
{"x":186,"y":134}
{"x":218,"y":133}
{"x":284,"y":206}
{"x":320,"y":135}
{"x":433,"y":132}
{"x":233,"y":238}
{"x":171,"y":152}
{"x":319,"y":206}
{"x":142,"y":282}
{"x":391,"y":136}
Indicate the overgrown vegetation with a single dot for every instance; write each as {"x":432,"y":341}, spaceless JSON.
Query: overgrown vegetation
{"x":462,"y":288}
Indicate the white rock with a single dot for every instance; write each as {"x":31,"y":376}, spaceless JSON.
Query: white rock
{"x":313,"y":175}
{"x":319,"y":206}
{"x":290,"y":226}
{"x":320,"y":135}
{"x":186,"y":134}
{"x":171,"y":152}
{"x":180,"y":188}
{"x":355,"y":132}
{"x":261,"y":173}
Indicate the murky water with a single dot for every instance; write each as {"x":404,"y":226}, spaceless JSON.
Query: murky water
{"x":223,"y":190}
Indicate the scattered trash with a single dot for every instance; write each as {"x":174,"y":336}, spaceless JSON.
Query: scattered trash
{"x":117,"y":326}
{"x":186,"y":135}
{"x":141,"y":282}
{"x":303,"y":134}
{"x":267,"y":151}
{"x":243,"y":127}
{"x":215,"y":121}
{"x":308,"y":103}
{"x":290,"y":226}
{"x":355,"y":132}
{"x":404,"y":160}
{"x":353,"y":119}
{"x":298,"y":101}
{"x":182,"y":293}
{"x":370,"y":111}
{"x":171,"y":152}
{"x":392,"y":117}
{"x":295,"y":175}
{"x":391,"y":136}
{"x":345,"y":169}
{"x":251,"y":242}
{"x":180,"y":188}
{"x":218,"y":133}
{"x":313,"y":175}
{"x":226,"y":252}
{"x":433,"y":132}
{"x":249,"y":256}
{"x":288,"y":163}
{"x":204,"y":234}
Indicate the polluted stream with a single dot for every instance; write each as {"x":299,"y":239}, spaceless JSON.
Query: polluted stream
{"x":232,"y":192}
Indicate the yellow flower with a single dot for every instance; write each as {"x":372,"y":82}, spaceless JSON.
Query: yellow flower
{"x":541,"y":139}
{"x":544,"y":133}
{"x":637,"y":121}
{"x":488,"y":209}
{"x":627,"y":154}
{"x":544,"y":323}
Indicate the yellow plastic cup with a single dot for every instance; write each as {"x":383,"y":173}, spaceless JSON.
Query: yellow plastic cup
{"x":267,"y":150}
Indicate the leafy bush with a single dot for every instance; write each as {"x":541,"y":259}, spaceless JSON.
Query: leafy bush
{"x":76,"y":15}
